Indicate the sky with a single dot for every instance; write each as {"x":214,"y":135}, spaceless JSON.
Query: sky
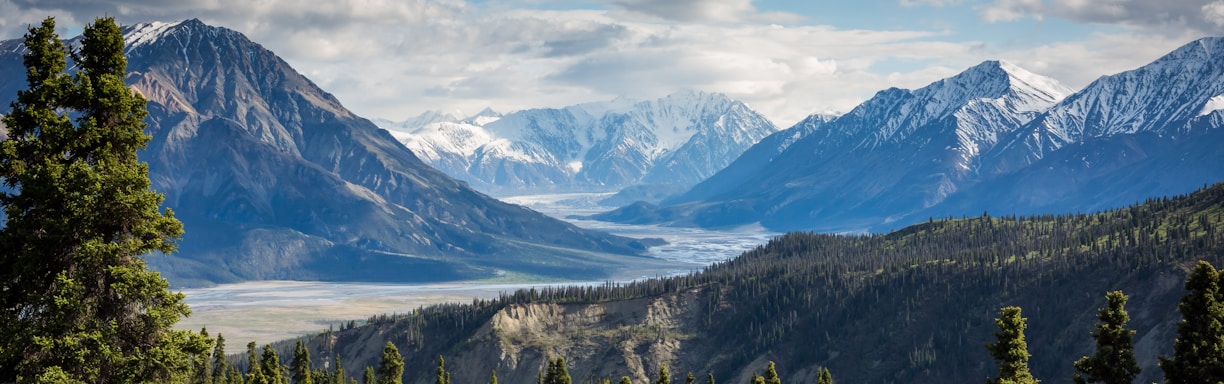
{"x":787,"y":59}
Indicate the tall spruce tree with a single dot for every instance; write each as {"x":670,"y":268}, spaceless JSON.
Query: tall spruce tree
{"x":1010,"y":351}
{"x":557,"y":373}
{"x":493,"y":377}
{"x":664,"y":377}
{"x":391,"y":368}
{"x":77,"y":302}
{"x":1198,"y":351}
{"x":338,"y":373}
{"x":710,"y":378}
{"x":443,"y":377}
{"x":254,"y":374}
{"x":300,"y":366}
{"x":625,"y":380}
{"x":690,"y":379}
{"x":771,"y":374}
{"x":824,"y":377}
{"x":201,"y":365}
{"x":220,"y":366}
{"x":1114,"y":361}
{"x":270,"y":367}
{"x":369,"y":377}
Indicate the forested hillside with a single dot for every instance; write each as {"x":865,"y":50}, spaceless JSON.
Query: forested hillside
{"x":916,"y":305}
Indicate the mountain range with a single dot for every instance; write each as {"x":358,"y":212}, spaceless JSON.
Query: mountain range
{"x":668,"y":143}
{"x":275,"y":179}
{"x":993,"y":138}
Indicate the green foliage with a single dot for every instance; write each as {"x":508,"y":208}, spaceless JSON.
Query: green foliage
{"x":391,"y":368}
{"x":442,"y":377}
{"x":625,"y":380}
{"x":300,"y":367}
{"x":338,"y":373}
{"x":1114,"y":361}
{"x":201,"y":365}
{"x":493,"y":377}
{"x":824,"y":377}
{"x":664,"y":377}
{"x":220,"y":366}
{"x":690,"y":379}
{"x":76,"y":299}
{"x":710,"y":378}
{"x":369,"y":377}
{"x":1010,"y":351}
{"x":912,"y":306}
{"x":270,"y":367}
{"x":771,"y":375}
{"x":557,"y":372}
{"x":1198,"y":352}
{"x":254,"y":373}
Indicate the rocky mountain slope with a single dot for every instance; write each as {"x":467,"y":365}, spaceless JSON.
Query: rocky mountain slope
{"x":994,"y":138}
{"x":275,"y":179}
{"x":673,"y":141}
{"x":898,"y":153}
{"x":912,"y":306}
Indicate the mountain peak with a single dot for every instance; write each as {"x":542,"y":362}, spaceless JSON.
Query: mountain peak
{"x":994,"y":79}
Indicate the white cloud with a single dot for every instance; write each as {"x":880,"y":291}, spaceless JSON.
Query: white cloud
{"x":1008,"y":10}
{"x":1214,"y":13}
{"x":396,"y":59}
{"x":1171,"y":17}
{"x":929,"y":3}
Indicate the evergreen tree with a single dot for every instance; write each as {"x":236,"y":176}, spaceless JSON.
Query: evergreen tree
{"x":557,"y":372}
{"x":1198,"y":351}
{"x":391,"y":369}
{"x":758,"y":379}
{"x":254,"y":374}
{"x":370,"y":377}
{"x":493,"y":377}
{"x":220,"y":366}
{"x":1010,"y":351}
{"x":824,"y":377}
{"x":301,"y":364}
{"x":235,"y":376}
{"x":338,"y":373}
{"x":77,"y":302}
{"x":625,"y":380}
{"x":201,"y":365}
{"x":443,"y":377}
{"x":690,"y":379}
{"x":664,"y":377}
{"x":270,"y":367}
{"x":710,"y":379}
{"x":771,"y":375}
{"x":1114,"y":361}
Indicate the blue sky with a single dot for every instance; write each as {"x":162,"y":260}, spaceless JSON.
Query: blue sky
{"x":398,"y":58}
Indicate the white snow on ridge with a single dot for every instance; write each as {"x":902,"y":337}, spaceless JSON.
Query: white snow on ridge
{"x":1215,"y":104}
{"x":147,"y":33}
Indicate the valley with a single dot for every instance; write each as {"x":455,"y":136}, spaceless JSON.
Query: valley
{"x":267,"y":311}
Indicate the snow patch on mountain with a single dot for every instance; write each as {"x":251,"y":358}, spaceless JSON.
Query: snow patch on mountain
{"x":1214,"y":104}
{"x":147,"y":33}
{"x":678,"y":139}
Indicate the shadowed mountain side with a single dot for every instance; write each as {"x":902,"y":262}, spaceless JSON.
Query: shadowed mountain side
{"x":275,"y":179}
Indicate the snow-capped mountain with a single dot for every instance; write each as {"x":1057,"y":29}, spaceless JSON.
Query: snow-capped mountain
{"x":1148,"y":132}
{"x":1169,"y":97}
{"x":274,"y":178}
{"x":994,"y":138}
{"x":899,"y":152}
{"x":676,"y":140}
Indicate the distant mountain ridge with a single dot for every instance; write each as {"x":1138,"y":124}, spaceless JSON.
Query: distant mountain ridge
{"x":897,"y":153}
{"x":275,"y":179}
{"x":676,"y":140}
{"x":994,"y":138}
